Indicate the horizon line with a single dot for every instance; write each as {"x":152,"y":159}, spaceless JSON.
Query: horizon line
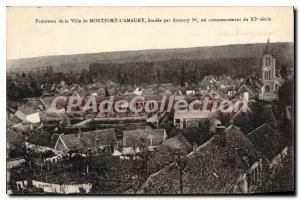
{"x":119,"y":51}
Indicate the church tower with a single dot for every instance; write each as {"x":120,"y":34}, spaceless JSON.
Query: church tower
{"x":269,"y":79}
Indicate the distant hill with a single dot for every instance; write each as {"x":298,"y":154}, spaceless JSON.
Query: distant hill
{"x":283,"y":52}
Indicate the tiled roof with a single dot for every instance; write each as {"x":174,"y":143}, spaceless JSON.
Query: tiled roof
{"x":250,"y":88}
{"x":178,"y":144}
{"x":268,"y":141}
{"x":135,"y":137}
{"x":214,"y":167}
{"x":14,"y":138}
{"x":268,"y":115}
{"x":14,"y":120}
{"x":27,"y":110}
{"x":89,"y":139}
{"x":193,"y":115}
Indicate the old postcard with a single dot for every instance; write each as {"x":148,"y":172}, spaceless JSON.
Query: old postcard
{"x":150,"y":100}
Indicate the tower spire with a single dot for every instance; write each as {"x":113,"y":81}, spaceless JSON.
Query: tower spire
{"x":267,"y":48}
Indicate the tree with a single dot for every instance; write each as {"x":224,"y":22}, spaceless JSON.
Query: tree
{"x":182,"y":77}
{"x":286,"y":94}
{"x":120,"y":78}
{"x":283,"y":72}
{"x":258,"y":112}
{"x":106,"y":92}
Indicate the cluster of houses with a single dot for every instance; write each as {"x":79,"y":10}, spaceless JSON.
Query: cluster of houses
{"x":230,"y":162}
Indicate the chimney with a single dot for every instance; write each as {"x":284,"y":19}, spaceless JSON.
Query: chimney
{"x":220,"y":129}
{"x":246,"y":96}
{"x":220,"y":135}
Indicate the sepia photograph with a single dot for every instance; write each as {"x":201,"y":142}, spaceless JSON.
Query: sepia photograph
{"x":150,"y":100}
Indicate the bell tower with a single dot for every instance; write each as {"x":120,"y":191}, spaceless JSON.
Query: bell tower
{"x":269,"y":79}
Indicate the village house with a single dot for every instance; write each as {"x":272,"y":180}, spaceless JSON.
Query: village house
{"x":38,"y":148}
{"x":14,"y":166}
{"x":110,"y":121}
{"x":35,"y":103}
{"x":15,"y":162}
{"x":250,"y":87}
{"x":222,"y":83}
{"x":30,"y":111}
{"x":14,"y":140}
{"x":178,"y":144}
{"x":13,"y":120}
{"x":271,"y":144}
{"x":58,"y":110}
{"x":190,"y":119}
{"x":101,"y":139}
{"x":62,"y":188}
{"x":41,"y":141}
{"x":190,"y":92}
{"x":134,"y":140}
{"x":168,"y":152}
{"x":227,"y":156}
{"x":28,"y":114}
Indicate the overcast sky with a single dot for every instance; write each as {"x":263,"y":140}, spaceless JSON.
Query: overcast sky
{"x":25,"y":38}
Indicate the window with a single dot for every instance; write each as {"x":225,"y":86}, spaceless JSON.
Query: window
{"x":268,"y":61}
{"x":177,"y":121}
{"x":267,"y":88}
{"x":184,"y":123}
{"x":267,"y":74}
